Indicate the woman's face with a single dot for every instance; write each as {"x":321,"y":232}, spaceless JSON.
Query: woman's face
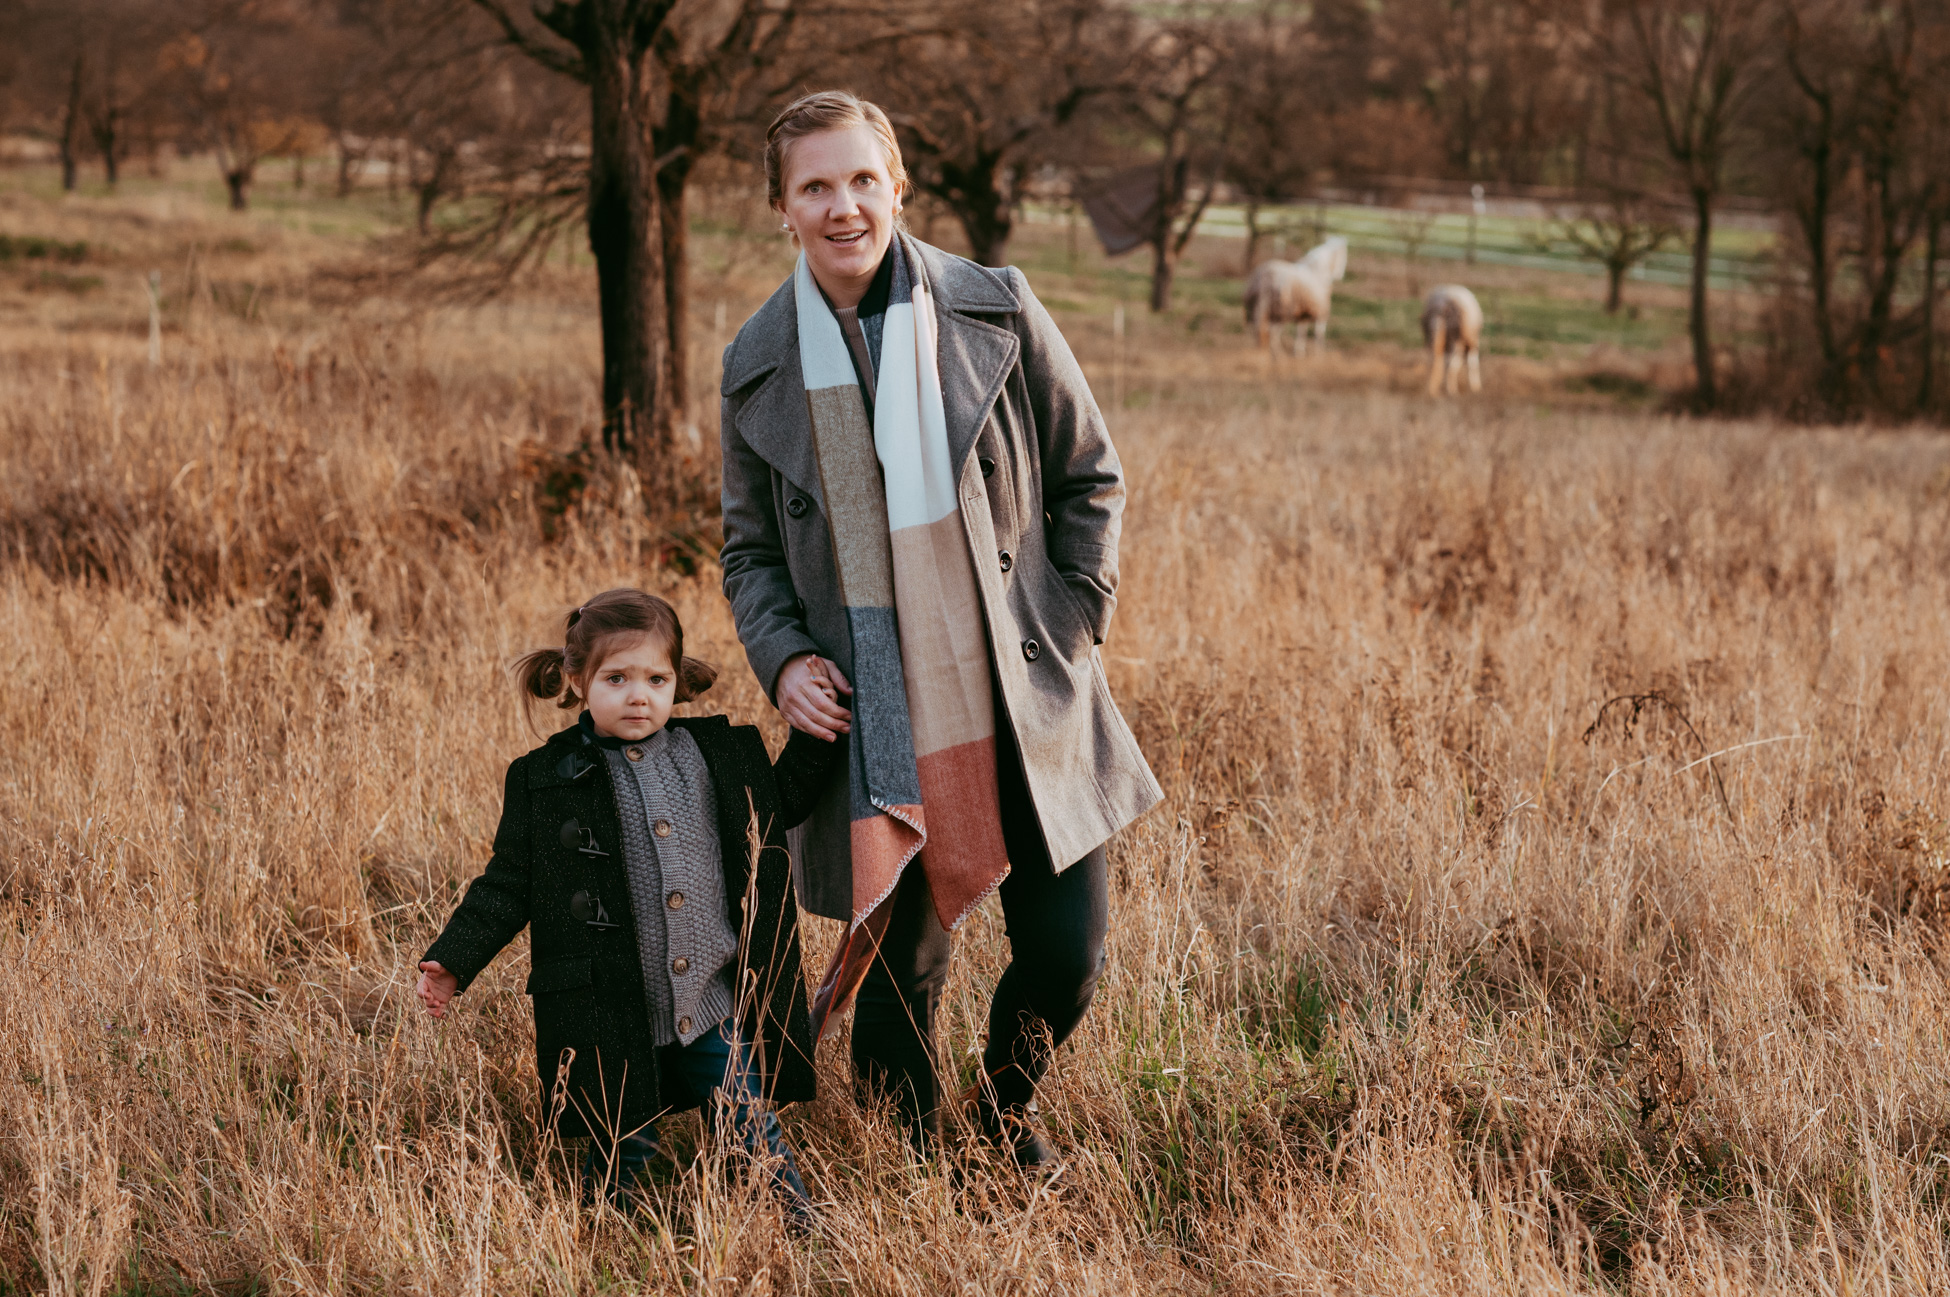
{"x":841,"y":201}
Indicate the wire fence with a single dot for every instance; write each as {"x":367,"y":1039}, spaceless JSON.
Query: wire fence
{"x":1743,"y":258}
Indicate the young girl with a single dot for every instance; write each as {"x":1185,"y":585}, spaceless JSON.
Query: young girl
{"x":665,"y":950}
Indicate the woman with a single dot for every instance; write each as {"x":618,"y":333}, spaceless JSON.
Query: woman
{"x":921,"y":510}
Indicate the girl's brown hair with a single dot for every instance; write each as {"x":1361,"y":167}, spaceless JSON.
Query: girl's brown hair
{"x":826,"y":110}
{"x":561,"y":675}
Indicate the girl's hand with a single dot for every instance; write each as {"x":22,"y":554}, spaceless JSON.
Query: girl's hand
{"x":437,"y":986}
{"x":809,"y":689}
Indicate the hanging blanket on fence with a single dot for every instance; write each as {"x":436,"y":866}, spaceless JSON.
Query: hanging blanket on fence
{"x":921,"y":760}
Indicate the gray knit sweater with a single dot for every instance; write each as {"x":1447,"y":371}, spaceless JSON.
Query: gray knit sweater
{"x":670,"y":851}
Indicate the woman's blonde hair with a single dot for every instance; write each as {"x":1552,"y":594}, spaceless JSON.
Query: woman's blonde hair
{"x":826,"y":110}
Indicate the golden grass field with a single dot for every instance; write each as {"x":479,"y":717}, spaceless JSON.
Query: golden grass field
{"x":1434,"y":974}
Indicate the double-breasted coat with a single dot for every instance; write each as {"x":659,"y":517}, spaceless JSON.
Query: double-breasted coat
{"x":1041,"y":499}
{"x":557,"y":869}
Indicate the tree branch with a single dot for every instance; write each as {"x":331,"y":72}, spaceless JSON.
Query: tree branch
{"x":549,"y":56}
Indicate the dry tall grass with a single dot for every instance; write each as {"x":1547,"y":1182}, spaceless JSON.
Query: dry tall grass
{"x":1435,"y":973}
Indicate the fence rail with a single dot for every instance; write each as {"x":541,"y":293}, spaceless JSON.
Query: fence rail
{"x":1745,"y":259}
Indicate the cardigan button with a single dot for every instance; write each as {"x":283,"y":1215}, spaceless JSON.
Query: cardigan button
{"x":680,"y":965}
{"x":676,"y":901}
{"x":988,"y":466}
{"x":1008,"y":560}
{"x":662,"y":828}
{"x":684,"y":1026}
{"x":633,"y":753}
{"x":1031,"y":649}
{"x":796,"y":506}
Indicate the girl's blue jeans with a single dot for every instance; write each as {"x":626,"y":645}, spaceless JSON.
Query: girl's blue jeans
{"x":715,"y":1073}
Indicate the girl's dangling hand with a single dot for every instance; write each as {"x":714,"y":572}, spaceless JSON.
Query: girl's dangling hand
{"x":437,"y":986}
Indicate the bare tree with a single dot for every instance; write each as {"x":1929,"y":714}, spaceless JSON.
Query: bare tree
{"x":231,"y":64}
{"x":978,"y":93}
{"x":1621,"y":221}
{"x":663,"y":78}
{"x":1277,"y":114}
{"x":1695,"y":64}
{"x":1176,"y":105}
{"x":1501,"y":76}
{"x":1856,"y":117}
{"x":1618,"y":230}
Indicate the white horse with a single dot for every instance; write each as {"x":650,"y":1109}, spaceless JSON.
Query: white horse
{"x":1452,"y":327}
{"x":1296,"y":292}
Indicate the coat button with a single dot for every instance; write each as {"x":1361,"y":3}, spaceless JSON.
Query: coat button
{"x":988,"y":466}
{"x":680,"y":965}
{"x":634,"y":754}
{"x":1031,"y":649}
{"x":683,"y":1026}
{"x":662,"y":828}
{"x":796,"y":506}
{"x":1008,"y":560}
{"x":676,"y":901}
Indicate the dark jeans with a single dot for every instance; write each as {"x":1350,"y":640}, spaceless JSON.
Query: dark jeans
{"x":1056,"y":925}
{"x":699,"y":1073}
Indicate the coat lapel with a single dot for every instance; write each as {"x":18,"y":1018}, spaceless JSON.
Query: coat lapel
{"x":774,"y":420}
{"x":975,"y":356}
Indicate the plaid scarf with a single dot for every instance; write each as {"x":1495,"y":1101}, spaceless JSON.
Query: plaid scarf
{"x":921,"y":760}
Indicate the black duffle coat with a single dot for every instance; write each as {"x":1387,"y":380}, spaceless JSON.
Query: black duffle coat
{"x":557,"y":869}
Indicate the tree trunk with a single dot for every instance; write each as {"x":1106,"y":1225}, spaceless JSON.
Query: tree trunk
{"x":71,"y":131}
{"x":108,"y":139}
{"x":988,"y":236}
{"x":627,"y":242}
{"x":1164,"y":248}
{"x":1615,"y":290}
{"x":238,"y":179}
{"x":1926,"y":389}
{"x":1163,"y":266}
{"x":347,"y":162}
{"x":1252,"y":235}
{"x":674,"y":229}
{"x":1705,"y":391}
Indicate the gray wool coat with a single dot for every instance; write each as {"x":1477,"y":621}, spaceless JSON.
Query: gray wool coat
{"x":1042,"y":499}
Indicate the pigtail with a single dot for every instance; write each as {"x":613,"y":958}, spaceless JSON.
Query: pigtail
{"x":693,"y":678}
{"x":543,"y":674}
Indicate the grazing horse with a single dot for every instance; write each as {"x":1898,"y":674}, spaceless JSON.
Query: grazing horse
{"x":1295,"y":292}
{"x":1452,"y":326}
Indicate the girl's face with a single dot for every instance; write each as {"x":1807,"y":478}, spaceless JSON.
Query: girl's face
{"x":841,"y":201}
{"x":631,"y":691}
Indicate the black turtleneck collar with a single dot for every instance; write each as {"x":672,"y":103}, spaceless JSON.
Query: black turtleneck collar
{"x":587,"y":724}
{"x":882,"y":287}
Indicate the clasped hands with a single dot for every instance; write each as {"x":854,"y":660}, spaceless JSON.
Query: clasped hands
{"x":809,"y":696}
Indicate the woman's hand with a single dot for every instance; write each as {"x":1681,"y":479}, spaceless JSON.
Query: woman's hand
{"x":437,"y":986}
{"x":809,"y":690}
